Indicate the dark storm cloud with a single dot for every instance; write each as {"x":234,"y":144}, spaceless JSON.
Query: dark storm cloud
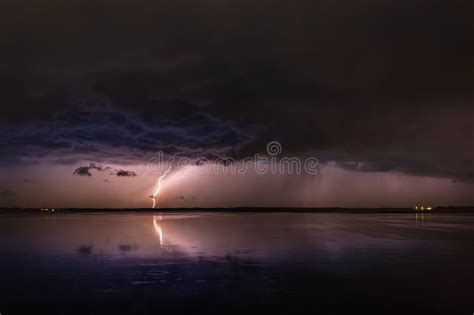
{"x":119,"y":137}
{"x":86,"y":170}
{"x":373,"y":85}
{"x":124,"y":173}
{"x":82,"y":171}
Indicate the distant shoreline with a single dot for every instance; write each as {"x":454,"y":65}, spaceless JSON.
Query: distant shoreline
{"x":242,"y":210}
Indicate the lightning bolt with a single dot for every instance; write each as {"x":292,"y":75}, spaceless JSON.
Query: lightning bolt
{"x":158,"y":186}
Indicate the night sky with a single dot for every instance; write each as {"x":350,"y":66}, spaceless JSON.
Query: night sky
{"x":380,"y":92}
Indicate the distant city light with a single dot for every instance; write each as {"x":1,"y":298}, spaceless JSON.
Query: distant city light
{"x":423,"y":208}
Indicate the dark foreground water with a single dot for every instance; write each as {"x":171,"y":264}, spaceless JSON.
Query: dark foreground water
{"x":224,"y":263}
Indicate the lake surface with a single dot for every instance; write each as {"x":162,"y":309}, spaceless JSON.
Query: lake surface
{"x":224,"y":263}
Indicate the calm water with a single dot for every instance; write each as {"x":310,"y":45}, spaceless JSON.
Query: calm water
{"x":223,"y":263}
